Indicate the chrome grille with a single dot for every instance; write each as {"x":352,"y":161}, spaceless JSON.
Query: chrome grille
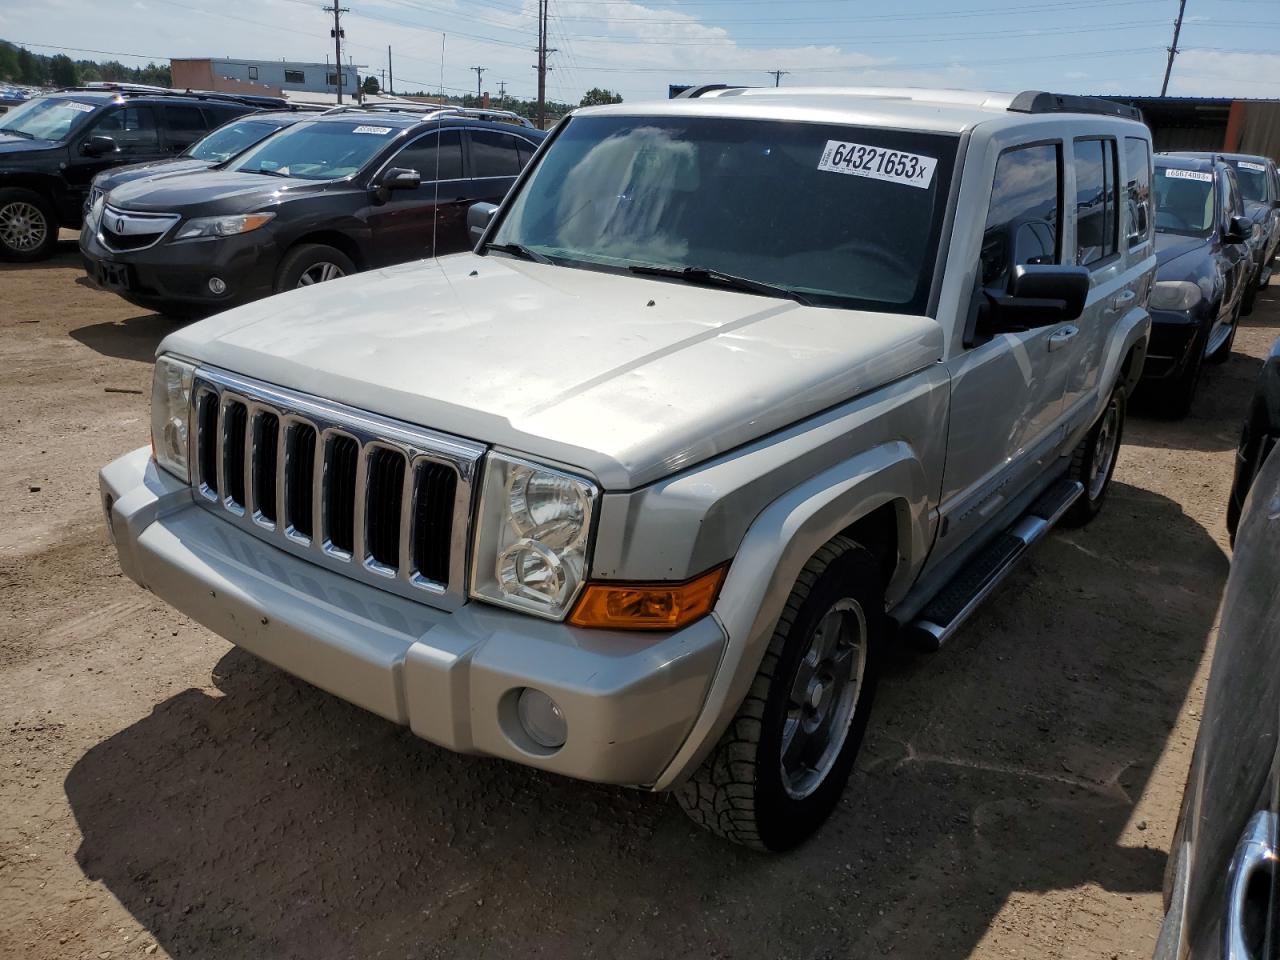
{"x":122,"y":231}
{"x":370,"y":497}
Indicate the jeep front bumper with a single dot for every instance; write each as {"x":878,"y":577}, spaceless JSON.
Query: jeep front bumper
{"x":629,"y":699}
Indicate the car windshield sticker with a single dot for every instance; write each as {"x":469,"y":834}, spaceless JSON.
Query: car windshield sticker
{"x":1189,"y":175}
{"x":895,"y":166}
{"x":380,"y":131}
{"x":89,"y":108}
{"x":1249,"y":165}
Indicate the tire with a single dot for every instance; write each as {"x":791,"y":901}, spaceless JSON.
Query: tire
{"x":1176,"y":396}
{"x":1094,"y":461}
{"x":28,"y":226}
{"x":1223,"y":353}
{"x":1250,"y":294}
{"x":316,"y":261}
{"x":741,"y":792}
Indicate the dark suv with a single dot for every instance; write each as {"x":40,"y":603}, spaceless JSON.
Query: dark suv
{"x":53,"y":146}
{"x":345,"y":191}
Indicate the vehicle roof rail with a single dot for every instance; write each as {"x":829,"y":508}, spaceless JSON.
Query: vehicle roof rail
{"x":144,"y":90}
{"x":1038,"y":101}
{"x":705,"y":88}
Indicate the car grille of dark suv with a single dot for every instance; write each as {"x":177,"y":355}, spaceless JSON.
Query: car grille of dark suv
{"x":375,"y":499}
{"x":122,"y":231}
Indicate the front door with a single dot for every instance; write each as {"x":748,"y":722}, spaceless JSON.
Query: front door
{"x":136,"y":132}
{"x":402,"y":227}
{"x":1007,"y":391}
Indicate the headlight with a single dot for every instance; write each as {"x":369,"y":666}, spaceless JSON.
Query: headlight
{"x":221,"y":226}
{"x":97,"y":200}
{"x":1174,"y":295}
{"x":531,"y":539}
{"x":170,"y":409}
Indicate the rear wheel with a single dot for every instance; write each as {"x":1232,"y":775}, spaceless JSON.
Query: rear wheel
{"x":1094,"y":461}
{"x":28,"y":226}
{"x":312,"y":263}
{"x":781,"y":766}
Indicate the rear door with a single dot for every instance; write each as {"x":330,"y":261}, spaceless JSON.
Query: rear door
{"x":430,"y":220}
{"x":1231,"y":204}
{"x":496,"y":157}
{"x":183,"y":125}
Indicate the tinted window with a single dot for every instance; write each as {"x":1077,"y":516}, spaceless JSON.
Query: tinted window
{"x":294,"y":76}
{"x":1184,"y":201}
{"x":132,"y":128}
{"x":1253,"y":179}
{"x":1233,"y":203}
{"x":318,"y":150}
{"x":494,"y":154}
{"x":846,"y":216}
{"x":1096,"y":200}
{"x":1023,"y":220}
{"x":422,"y":155}
{"x":1137,"y":164}
{"x":525,"y":149}
{"x":225,"y":142}
{"x":183,"y":125}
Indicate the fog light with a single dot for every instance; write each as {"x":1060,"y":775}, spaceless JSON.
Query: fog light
{"x":541,"y":718}
{"x":217,"y":286}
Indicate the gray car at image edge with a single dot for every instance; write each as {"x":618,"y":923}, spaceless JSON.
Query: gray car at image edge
{"x":734,"y":391}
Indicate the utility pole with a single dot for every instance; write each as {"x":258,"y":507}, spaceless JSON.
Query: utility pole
{"x":778,"y":75}
{"x":391,"y":77}
{"x":542,"y":68}
{"x":1173,"y":50}
{"x":337,"y":35}
{"x":502,"y":92}
{"x":479,"y":73}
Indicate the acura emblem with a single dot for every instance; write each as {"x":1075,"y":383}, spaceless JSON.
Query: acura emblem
{"x":119,"y":224}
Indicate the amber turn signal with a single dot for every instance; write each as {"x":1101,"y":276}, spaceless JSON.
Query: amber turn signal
{"x":647,"y":606}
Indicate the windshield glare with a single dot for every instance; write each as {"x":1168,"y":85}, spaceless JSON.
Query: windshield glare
{"x":45,"y":118}
{"x":225,"y":142}
{"x":845,"y":216}
{"x":1253,"y":182}
{"x":1184,"y":201}
{"x":323,"y":150}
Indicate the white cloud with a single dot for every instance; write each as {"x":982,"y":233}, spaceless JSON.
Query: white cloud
{"x":1212,"y":73}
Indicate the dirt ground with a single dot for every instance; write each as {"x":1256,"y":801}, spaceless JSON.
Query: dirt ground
{"x":164,"y":794}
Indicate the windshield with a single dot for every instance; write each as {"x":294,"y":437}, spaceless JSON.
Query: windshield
{"x":319,"y":150}
{"x":845,"y":216}
{"x":1184,"y":201}
{"x":1253,"y":180}
{"x":45,"y":118}
{"x":225,"y":142}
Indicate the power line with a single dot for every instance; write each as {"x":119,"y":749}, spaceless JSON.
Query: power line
{"x":778,"y":75}
{"x":1173,"y":50}
{"x":337,"y":34}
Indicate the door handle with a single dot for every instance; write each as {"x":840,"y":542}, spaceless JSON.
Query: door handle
{"x":1122,"y":300}
{"x":1255,"y":852}
{"x":1060,"y":338}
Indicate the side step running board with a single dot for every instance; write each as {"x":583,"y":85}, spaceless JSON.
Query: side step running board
{"x":956,"y":602}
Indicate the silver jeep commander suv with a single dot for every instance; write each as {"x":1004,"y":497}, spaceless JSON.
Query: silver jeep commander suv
{"x":734,"y":390}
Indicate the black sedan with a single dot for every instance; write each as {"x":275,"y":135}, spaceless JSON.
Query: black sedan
{"x":345,"y":191}
{"x":1259,"y":437}
{"x":1221,"y":882}
{"x":1204,"y":268}
{"x":216,"y":147}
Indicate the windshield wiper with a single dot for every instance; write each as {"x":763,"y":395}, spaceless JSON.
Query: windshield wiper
{"x":269,"y":173}
{"x":705,"y":275}
{"x":518,"y":250}
{"x":18,"y":133}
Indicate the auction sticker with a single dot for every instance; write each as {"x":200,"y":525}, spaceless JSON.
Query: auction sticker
{"x":1189,"y":175}
{"x":380,"y":131}
{"x":88,"y":107}
{"x":895,"y":166}
{"x":1250,"y":165}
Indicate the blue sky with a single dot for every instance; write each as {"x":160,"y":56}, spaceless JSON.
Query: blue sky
{"x":637,"y":48}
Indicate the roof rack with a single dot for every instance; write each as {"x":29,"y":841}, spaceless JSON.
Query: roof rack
{"x":145,"y":90}
{"x":432,"y":109}
{"x":700,"y":89}
{"x":1038,"y":101}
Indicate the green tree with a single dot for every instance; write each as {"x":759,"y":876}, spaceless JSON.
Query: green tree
{"x":596,"y":96}
{"x":370,"y":86}
{"x":62,"y":70}
{"x":8,"y":62}
{"x":30,"y":69}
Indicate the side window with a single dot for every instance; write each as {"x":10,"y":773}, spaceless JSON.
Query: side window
{"x":1096,"y":200}
{"x":1137,"y":163}
{"x":423,"y":155}
{"x":494,"y":154}
{"x":183,"y":126}
{"x":1232,"y":205}
{"x":132,"y":128}
{"x":1023,"y":222}
{"x":526,"y":150}
{"x":295,"y":76}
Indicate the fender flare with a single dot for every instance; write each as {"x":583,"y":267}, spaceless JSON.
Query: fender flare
{"x":1131,"y":332}
{"x":776,"y":547}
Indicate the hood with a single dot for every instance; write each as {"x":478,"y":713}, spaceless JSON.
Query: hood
{"x":1171,"y":246}
{"x":11,"y":144}
{"x":139,"y":171}
{"x":628,"y":378}
{"x":210,"y":192}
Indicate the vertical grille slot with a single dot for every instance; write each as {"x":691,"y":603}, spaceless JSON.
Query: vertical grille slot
{"x":264,"y":465}
{"x":207,"y":440}
{"x":237,"y":420}
{"x":299,"y":480}
{"x":384,"y":494}
{"x":340,"y":491}
{"x":433,"y":521}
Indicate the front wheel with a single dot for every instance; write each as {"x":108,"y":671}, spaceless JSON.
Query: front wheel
{"x":1094,"y":461}
{"x":312,"y":263}
{"x":28,"y":226}
{"x":781,"y":766}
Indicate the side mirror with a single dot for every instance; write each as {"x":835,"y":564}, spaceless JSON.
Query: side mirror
{"x":399,"y":178}
{"x":98,"y":146}
{"x":1239,"y":229}
{"x":1038,"y":295}
{"x":478,"y":217}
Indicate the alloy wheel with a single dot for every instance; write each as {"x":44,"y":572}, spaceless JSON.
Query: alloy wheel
{"x":22,"y":226}
{"x":1104,"y":449}
{"x":320,"y":272}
